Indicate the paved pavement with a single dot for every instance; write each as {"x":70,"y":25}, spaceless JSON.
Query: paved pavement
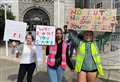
{"x":9,"y":71}
{"x":9,"y":66}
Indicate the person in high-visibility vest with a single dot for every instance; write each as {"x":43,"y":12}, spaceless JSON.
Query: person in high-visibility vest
{"x":57,"y":58}
{"x":88,"y":61}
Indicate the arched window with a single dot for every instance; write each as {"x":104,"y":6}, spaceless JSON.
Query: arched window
{"x":36,"y":16}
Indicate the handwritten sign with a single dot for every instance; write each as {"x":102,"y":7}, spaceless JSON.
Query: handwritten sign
{"x":45,"y":35}
{"x":15,"y":30}
{"x":92,"y":19}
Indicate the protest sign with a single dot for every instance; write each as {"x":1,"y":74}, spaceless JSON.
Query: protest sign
{"x":45,"y":35}
{"x":92,"y":19}
{"x":15,"y":30}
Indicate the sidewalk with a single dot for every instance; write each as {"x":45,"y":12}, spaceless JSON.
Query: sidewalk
{"x":10,"y":55}
{"x":9,"y":68}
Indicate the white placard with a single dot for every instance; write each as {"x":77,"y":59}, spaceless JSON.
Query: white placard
{"x":15,"y":30}
{"x":45,"y":35}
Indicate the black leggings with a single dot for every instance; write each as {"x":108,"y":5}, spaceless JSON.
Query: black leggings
{"x":26,"y":68}
{"x":95,"y":70}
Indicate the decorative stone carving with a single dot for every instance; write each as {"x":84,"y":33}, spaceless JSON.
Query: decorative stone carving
{"x":45,"y":5}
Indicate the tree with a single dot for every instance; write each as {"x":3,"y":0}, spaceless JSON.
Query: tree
{"x":2,"y":21}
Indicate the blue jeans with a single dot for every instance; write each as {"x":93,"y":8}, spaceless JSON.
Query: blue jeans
{"x":55,"y":75}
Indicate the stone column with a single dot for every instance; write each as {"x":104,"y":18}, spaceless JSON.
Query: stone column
{"x":68,"y":5}
{"x":59,"y":13}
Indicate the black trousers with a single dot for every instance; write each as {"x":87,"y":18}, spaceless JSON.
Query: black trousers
{"x":26,"y":69}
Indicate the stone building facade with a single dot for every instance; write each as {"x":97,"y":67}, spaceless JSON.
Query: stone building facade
{"x":41,"y":12}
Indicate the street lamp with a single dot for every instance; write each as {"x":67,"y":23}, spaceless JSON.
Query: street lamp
{"x":4,"y":6}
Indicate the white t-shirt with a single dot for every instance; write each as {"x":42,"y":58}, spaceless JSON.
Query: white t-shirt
{"x":28,"y":55}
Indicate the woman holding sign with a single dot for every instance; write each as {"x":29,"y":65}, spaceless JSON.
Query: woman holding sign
{"x":56,"y":62}
{"x":27,"y":51}
{"x":88,"y":62}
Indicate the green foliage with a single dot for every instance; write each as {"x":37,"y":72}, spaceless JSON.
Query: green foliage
{"x":2,"y":20}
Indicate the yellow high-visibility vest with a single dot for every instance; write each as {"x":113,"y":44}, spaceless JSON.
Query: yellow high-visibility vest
{"x":81,"y":55}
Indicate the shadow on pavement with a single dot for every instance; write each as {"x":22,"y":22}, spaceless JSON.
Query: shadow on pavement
{"x":40,"y":77}
{"x":43,"y":77}
{"x":12,"y":77}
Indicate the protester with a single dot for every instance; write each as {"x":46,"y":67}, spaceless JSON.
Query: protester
{"x":65,"y":33}
{"x":57,"y":58}
{"x":71,"y":53}
{"x":27,"y":51}
{"x":88,"y":62}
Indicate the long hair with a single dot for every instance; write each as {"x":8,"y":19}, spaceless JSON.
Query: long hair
{"x":59,"y":30}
